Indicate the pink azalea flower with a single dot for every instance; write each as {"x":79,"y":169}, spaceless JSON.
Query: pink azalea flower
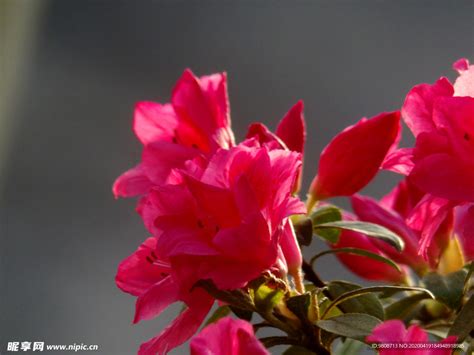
{"x":290,"y":134}
{"x":428,"y":217}
{"x":150,"y":279}
{"x":425,"y":224}
{"x":353,"y":157}
{"x":195,"y":123}
{"x":227,"y":337}
{"x":394,"y":332}
{"x":226,"y":221}
{"x":441,"y":117}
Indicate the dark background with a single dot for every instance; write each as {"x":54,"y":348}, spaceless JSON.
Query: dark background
{"x":63,"y":234}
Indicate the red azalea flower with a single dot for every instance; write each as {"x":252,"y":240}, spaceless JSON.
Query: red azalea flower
{"x":225,"y":222}
{"x":196,"y":122}
{"x":441,"y":117}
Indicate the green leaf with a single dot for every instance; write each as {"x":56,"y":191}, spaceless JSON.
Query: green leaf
{"x":360,"y":252}
{"x":370,"y":230}
{"x":348,"y":346}
{"x":367,"y":303}
{"x":298,"y":350}
{"x":219,"y":313}
{"x":299,"y":305}
{"x":352,"y":325}
{"x":326,"y":214}
{"x":464,"y":322}
{"x":447,"y":289}
{"x":404,"y":307}
{"x":266,"y":298}
{"x":304,"y":231}
{"x":362,"y":291}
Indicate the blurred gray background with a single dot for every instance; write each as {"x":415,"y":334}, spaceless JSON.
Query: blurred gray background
{"x":71,"y":73}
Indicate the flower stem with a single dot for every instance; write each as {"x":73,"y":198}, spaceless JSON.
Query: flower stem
{"x":298,"y":279}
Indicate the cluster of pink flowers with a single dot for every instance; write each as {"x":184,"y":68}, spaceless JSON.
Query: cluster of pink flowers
{"x":226,"y":212}
{"x":432,"y":208}
{"x":216,"y":209}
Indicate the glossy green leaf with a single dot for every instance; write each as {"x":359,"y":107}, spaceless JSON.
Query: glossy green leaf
{"x":404,"y":307}
{"x":367,"y":303}
{"x":363,"y":291}
{"x":356,"y":251}
{"x":348,"y":346}
{"x":351,"y":325}
{"x":326,"y":214}
{"x":447,"y":289}
{"x":369,"y":229}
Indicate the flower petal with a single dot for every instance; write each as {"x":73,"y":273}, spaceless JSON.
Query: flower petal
{"x":158,"y":297}
{"x":399,"y":161}
{"x":418,"y":107}
{"x":464,"y":84}
{"x":227,"y":337}
{"x":464,"y":227}
{"x":154,"y":122}
{"x":180,"y":330}
{"x":354,"y":156}
{"x":427,"y":217}
{"x":369,"y":210}
{"x":133,"y":182}
{"x":203,"y":104}
{"x":265,"y":136}
{"x":292,"y":130}
{"x":139,"y":272}
{"x":445,"y":176}
{"x":160,"y":158}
